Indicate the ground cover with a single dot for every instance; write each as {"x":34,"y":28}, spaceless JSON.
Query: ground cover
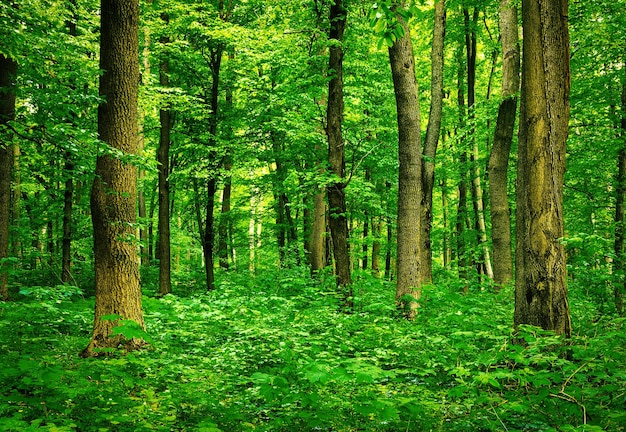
{"x":273,"y":352}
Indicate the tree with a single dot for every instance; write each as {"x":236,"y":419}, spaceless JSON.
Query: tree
{"x":540,"y":283}
{"x":114,"y":195}
{"x":620,"y":210}
{"x":409,"y":178}
{"x":338,"y":221}
{"x":432,"y":136}
{"x":163,"y":159}
{"x":503,"y":136}
{"x":8,"y":69}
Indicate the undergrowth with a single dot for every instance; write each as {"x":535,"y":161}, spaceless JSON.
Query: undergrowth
{"x":274,"y":352}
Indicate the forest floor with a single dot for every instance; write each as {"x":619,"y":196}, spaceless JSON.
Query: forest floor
{"x":273,"y":352}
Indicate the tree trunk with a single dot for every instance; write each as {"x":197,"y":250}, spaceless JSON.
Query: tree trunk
{"x":409,"y":265}
{"x":540,"y":283}
{"x":317,"y":239}
{"x":8,"y":70}
{"x":114,"y":192}
{"x":68,"y":198}
{"x":208,"y":240}
{"x":163,"y":159}
{"x":461,"y":214}
{"x":432,"y":137}
{"x":620,"y":262}
{"x":336,"y":191}
{"x":224,"y":228}
{"x":503,"y":136}
{"x":476,"y":186}
{"x":376,"y":228}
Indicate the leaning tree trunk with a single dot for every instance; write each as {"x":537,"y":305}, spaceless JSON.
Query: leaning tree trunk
{"x":114,"y":192}
{"x":432,"y":137}
{"x":408,"y":283}
{"x":337,"y":220}
{"x":8,"y":69}
{"x":503,"y":136}
{"x":540,"y":283}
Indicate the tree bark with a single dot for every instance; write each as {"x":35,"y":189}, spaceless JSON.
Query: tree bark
{"x":409,"y":265}
{"x":432,"y":137}
{"x":540,"y":283}
{"x":8,"y":70}
{"x":224,"y":227}
{"x":336,"y":191}
{"x":163,"y":159}
{"x":503,"y":137}
{"x":114,"y":192}
{"x":619,"y":265}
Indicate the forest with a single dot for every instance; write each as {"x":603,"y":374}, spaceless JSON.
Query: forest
{"x":312,"y":215}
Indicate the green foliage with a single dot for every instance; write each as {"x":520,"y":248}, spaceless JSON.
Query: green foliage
{"x":275,"y":353}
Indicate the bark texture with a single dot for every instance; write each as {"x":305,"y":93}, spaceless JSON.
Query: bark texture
{"x":540,"y":283}
{"x":337,"y":220}
{"x":503,"y":136}
{"x":432,"y":137}
{"x":409,"y":180}
{"x":8,"y":69}
{"x":114,"y":192}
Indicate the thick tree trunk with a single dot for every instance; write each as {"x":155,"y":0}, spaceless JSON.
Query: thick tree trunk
{"x":503,"y":136}
{"x":409,"y":265}
{"x":8,"y":69}
{"x":432,"y":137}
{"x":114,"y":192}
{"x":336,"y":191}
{"x":540,"y":283}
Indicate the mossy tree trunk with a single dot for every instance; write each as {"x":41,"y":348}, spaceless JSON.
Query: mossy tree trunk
{"x":114,"y":191}
{"x":503,"y":137}
{"x":540,"y":283}
{"x":408,"y":283}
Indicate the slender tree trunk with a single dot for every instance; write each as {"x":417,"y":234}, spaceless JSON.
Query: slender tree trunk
{"x":16,"y":204}
{"x":336,"y":191}
{"x":68,"y":197}
{"x":8,"y":70}
{"x":540,"y":283}
{"x":211,"y":185}
{"x":163,"y":159}
{"x":208,"y":242}
{"x":409,"y":265}
{"x":153,"y":205}
{"x":376,"y":228}
{"x":619,"y":263}
{"x":225,"y":221}
{"x":432,"y":137}
{"x":365,"y":247}
{"x":114,"y":192}
{"x":461,"y":215}
{"x":503,"y":136}
{"x":476,"y":186}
